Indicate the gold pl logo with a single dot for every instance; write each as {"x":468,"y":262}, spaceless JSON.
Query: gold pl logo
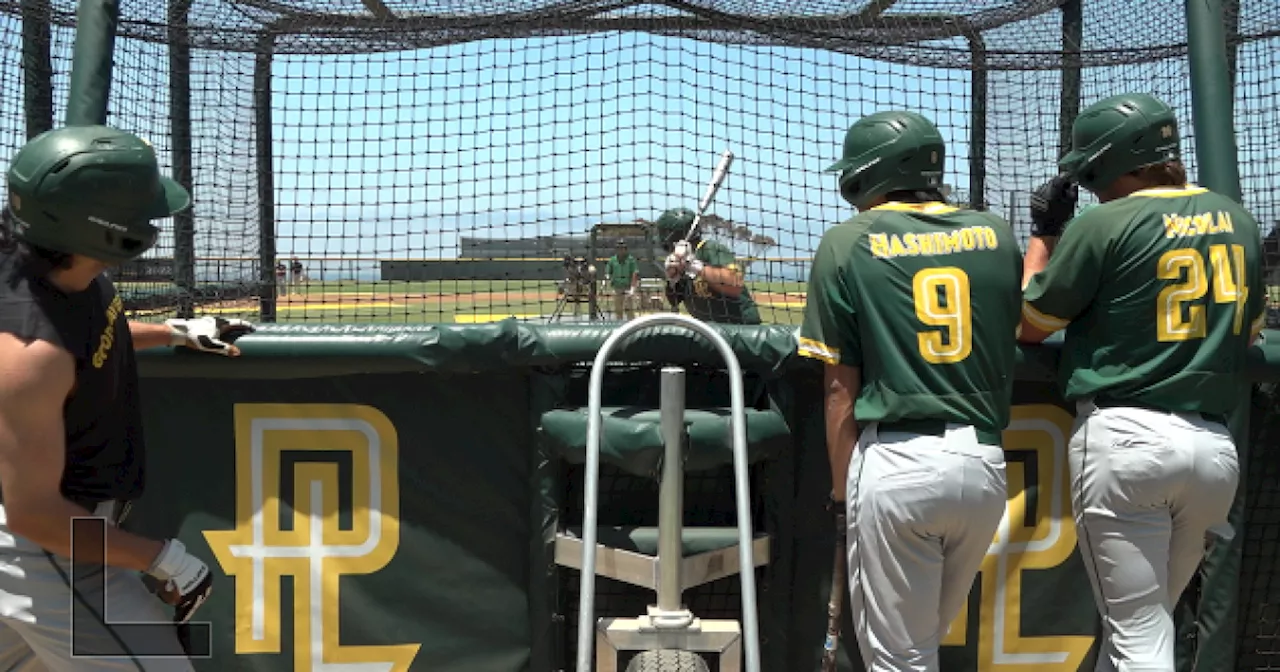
{"x":314,"y":550}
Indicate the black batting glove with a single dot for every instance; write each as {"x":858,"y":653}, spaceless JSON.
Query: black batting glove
{"x":1052,"y":206}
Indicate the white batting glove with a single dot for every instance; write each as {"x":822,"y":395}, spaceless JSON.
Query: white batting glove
{"x":674,"y":267}
{"x":694,"y":267}
{"x":631,"y":291}
{"x":208,"y":334}
{"x":185,"y":581}
{"x":683,"y":249}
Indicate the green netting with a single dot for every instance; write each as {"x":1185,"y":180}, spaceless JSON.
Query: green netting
{"x":436,"y":161}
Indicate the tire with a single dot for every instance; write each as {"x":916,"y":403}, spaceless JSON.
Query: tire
{"x":667,"y":661}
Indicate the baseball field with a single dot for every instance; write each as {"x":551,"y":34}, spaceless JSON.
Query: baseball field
{"x":457,"y":301}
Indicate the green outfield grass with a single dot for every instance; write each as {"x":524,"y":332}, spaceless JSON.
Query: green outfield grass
{"x":446,"y":301}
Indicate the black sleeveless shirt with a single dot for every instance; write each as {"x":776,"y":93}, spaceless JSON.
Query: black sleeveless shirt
{"x":104,"y":441}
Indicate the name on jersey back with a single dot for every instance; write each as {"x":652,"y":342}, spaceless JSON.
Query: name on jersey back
{"x":1205,"y":223}
{"x":968,"y":239}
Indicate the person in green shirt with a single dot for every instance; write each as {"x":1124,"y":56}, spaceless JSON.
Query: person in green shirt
{"x":913,"y":307}
{"x":1160,"y":291}
{"x":623,"y":275}
{"x":703,"y":274}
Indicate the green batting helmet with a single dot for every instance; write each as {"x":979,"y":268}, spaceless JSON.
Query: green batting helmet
{"x":1119,"y":135}
{"x":890,"y":151}
{"x":674,"y":224}
{"x":92,"y":191}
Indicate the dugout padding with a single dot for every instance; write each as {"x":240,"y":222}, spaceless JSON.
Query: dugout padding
{"x":475,"y":493}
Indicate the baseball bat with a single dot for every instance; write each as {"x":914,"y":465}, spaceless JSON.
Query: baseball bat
{"x":717,"y":179}
{"x":835,"y":604}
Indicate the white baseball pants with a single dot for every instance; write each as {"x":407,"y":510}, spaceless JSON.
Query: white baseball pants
{"x":1150,"y":489}
{"x":922,"y":512}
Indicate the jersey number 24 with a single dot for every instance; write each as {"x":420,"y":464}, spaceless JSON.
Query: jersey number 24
{"x":942,"y":300}
{"x":1179,"y":308}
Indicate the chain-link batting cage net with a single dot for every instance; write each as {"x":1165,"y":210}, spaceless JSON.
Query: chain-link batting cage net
{"x":386,"y":161}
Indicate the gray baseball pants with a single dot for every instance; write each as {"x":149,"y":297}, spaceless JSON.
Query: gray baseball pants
{"x":922,"y":511}
{"x":1150,"y":490}
{"x":38,"y":606}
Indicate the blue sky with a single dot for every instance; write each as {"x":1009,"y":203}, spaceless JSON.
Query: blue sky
{"x":541,"y":137}
{"x":397,"y":154}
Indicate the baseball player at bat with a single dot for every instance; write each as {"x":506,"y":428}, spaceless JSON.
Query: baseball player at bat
{"x":703,"y":274}
{"x":1160,"y":291}
{"x":913,"y":306}
{"x":80,"y":201}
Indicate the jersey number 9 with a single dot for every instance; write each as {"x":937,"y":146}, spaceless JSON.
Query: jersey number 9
{"x":1178,"y":322}
{"x":942,"y":300}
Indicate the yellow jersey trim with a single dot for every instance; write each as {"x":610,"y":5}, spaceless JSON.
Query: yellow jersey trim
{"x":930,"y":208}
{"x":1042,"y":321}
{"x":816,"y":350}
{"x":1171,"y":192}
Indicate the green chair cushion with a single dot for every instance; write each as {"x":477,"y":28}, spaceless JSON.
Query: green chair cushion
{"x":632,"y":439}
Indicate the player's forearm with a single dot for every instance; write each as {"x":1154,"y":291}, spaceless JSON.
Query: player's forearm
{"x":147,"y":335}
{"x":49,"y":527}
{"x":1039,"y":249}
{"x":840,"y":384}
{"x":723,"y":281}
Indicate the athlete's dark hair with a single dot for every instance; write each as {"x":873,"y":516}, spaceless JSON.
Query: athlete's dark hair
{"x":1167,"y":174}
{"x":31,"y":258}
{"x":916,"y":196}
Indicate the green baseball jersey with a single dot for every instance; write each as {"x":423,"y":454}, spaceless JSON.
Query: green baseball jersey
{"x":705,"y":303}
{"x":924,"y":299}
{"x":620,"y":271}
{"x":1160,"y":294}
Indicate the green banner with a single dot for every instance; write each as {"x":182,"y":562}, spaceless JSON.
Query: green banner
{"x":363,"y":519}
{"x":406,"y":518}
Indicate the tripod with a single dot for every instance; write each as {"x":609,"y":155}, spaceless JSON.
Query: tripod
{"x":576,"y":292}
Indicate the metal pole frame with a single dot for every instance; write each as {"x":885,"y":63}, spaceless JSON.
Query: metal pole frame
{"x":1069,"y":98}
{"x":89,"y":89}
{"x":184,"y":229}
{"x":1212,"y":101}
{"x":263,"y":148}
{"x":742,"y":494}
{"x":978,"y":91}
{"x":37,"y":67}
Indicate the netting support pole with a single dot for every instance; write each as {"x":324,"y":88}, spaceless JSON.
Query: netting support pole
{"x":1211,"y":98}
{"x":1231,"y":12}
{"x":263,"y":57}
{"x":91,"y":64}
{"x":593,"y":301}
{"x":978,"y":122}
{"x":1069,"y":101}
{"x":184,"y":223}
{"x":37,"y":67}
